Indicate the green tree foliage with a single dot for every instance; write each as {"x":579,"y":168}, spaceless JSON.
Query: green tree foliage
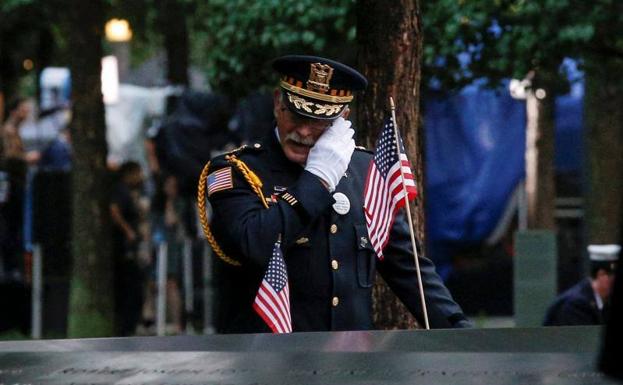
{"x":231,"y":40}
{"x":508,"y":38}
{"x":235,"y":39}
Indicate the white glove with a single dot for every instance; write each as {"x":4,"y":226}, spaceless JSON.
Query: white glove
{"x":328,"y":159}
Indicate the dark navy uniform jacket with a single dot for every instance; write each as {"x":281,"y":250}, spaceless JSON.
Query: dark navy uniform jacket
{"x":330,"y":262}
{"x":576,"y":306}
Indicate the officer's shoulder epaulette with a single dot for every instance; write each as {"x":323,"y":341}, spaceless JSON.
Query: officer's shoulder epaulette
{"x":245,"y":148}
{"x":362,"y":148}
{"x":223,"y":159}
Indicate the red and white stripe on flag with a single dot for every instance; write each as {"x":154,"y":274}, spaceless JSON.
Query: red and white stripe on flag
{"x":272,"y":302}
{"x":384,"y":191}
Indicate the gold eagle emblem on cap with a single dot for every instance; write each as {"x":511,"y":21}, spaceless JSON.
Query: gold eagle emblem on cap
{"x":319,"y":77}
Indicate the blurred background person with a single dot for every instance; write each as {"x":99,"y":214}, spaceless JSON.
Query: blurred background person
{"x":15,"y":160}
{"x":168,"y":226}
{"x":19,"y":111}
{"x":587,"y":303}
{"x":125,"y":212}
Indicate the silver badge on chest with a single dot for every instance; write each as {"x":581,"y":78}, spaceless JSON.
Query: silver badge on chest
{"x":342,"y":204}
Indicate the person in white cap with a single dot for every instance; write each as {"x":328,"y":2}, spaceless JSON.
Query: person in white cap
{"x":587,"y":302}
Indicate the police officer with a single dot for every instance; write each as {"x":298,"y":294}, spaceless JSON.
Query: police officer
{"x":304,"y":183}
{"x":587,"y":302}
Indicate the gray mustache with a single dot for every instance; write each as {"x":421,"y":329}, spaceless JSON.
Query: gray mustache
{"x":295,"y":137}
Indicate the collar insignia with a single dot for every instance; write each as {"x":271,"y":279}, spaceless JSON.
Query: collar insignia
{"x":302,"y":241}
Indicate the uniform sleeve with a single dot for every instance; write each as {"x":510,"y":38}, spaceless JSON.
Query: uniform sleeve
{"x":398,"y":270}
{"x":247,"y":230}
{"x":575,"y":312}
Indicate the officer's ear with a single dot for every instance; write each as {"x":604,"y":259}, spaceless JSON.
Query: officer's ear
{"x":277,"y":100}
{"x":346,"y":113}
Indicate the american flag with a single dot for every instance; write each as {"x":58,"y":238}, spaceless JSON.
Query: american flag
{"x":220,"y":180}
{"x":384,"y":192}
{"x":272,"y":301}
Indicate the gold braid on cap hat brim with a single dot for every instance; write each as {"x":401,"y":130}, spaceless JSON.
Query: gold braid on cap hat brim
{"x":316,"y":95}
{"x":256,"y":185}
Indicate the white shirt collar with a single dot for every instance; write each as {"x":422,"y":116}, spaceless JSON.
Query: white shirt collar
{"x":277,"y":134}
{"x":598,"y":300}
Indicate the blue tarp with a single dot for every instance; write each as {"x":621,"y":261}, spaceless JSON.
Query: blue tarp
{"x":475,"y":148}
{"x":569,"y":135}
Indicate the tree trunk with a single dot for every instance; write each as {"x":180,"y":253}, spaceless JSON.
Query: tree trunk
{"x":175,"y":32}
{"x":390,"y":47}
{"x":604,"y":135}
{"x":91,"y":301}
{"x":1,"y":102}
{"x":540,"y":180}
{"x":44,"y":54}
{"x":8,"y":77}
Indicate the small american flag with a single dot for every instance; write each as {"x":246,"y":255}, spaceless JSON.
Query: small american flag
{"x":272,"y":301}
{"x":220,"y":180}
{"x":384,"y":192}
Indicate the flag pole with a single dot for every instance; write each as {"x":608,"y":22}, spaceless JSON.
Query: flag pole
{"x":408,"y":208}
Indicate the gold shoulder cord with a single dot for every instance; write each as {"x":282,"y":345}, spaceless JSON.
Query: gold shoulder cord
{"x":253,"y":180}
{"x":255,"y":183}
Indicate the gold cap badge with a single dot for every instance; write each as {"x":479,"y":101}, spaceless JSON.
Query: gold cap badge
{"x":319,"y":77}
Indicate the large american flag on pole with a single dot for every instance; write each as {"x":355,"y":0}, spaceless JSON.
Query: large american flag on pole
{"x":384,"y":192}
{"x":272,"y":301}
